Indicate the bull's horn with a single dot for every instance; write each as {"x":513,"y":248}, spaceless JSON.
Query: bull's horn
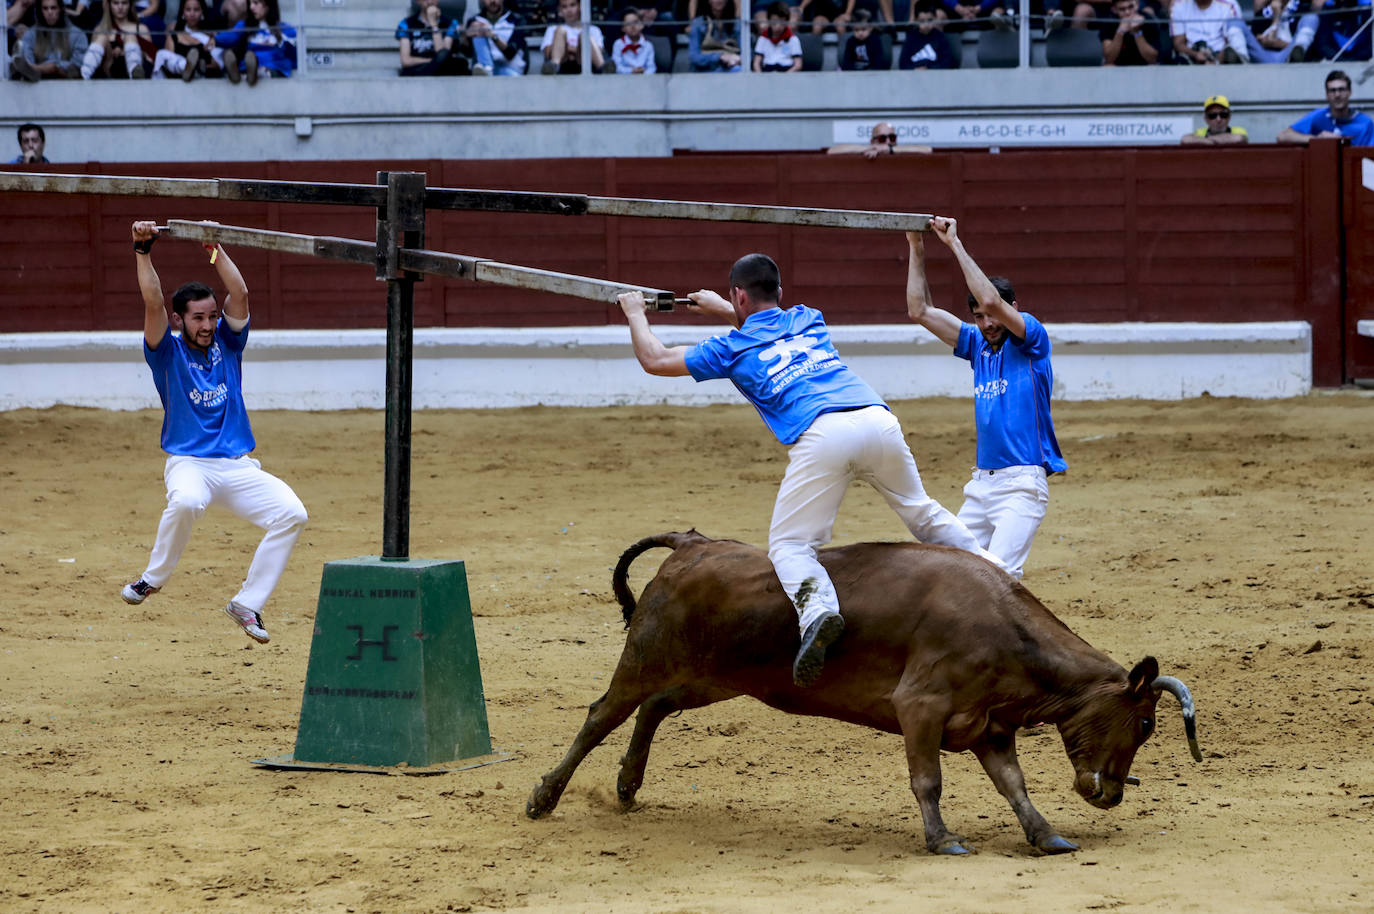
{"x":1180,"y":691}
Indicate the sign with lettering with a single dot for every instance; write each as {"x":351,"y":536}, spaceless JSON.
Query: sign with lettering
{"x":393,"y":676}
{"x":1056,"y":130}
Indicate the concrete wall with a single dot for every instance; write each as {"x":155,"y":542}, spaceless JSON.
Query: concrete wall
{"x":531,"y":117}
{"x":593,"y":366}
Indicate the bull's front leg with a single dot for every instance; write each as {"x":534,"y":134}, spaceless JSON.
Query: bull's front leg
{"x":606,"y":713}
{"x":998,"y":757}
{"x":922,"y":730}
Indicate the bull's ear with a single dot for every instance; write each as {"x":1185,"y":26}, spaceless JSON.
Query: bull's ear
{"x":1142,"y":677}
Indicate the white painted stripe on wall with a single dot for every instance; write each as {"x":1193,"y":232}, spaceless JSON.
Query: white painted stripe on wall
{"x":594,"y":366}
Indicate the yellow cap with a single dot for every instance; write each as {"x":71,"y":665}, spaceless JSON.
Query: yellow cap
{"x":1221,"y":100}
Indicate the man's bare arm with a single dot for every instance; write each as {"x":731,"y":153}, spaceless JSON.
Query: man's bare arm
{"x":154,"y":307}
{"x":654,"y":357}
{"x":982,"y":289}
{"x":236,"y":300}
{"x":944,"y":325}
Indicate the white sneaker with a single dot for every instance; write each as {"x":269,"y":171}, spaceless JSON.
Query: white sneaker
{"x":138,"y":591}
{"x":249,"y":621}
{"x":481,"y":70}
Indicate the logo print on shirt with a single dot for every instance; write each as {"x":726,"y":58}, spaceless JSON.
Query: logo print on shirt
{"x":208,"y":398}
{"x":786,"y":349}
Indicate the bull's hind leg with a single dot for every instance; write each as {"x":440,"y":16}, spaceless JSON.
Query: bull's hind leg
{"x":606,"y":713}
{"x":998,"y":758}
{"x":651,"y":714}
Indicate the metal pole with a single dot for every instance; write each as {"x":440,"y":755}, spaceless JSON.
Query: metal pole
{"x":400,"y":223}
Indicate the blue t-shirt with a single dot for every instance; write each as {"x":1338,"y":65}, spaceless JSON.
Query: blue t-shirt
{"x":1011,"y":398}
{"x":202,"y":395}
{"x":1359,"y":129}
{"x":784,"y":363}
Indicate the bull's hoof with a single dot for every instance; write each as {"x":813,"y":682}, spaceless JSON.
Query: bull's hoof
{"x":952,"y":847}
{"x":1056,"y":845}
{"x":538,"y":805}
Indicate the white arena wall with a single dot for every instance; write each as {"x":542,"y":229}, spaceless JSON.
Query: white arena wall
{"x":384,"y":117}
{"x":581,"y":366}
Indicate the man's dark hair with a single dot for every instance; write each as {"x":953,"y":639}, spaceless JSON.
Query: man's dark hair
{"x":757,"y":275}
{"x":1333,"y":75}
{"x":25,"y":128}
{"x":925,"y":6}
{"x":1003,"y":287}
{"x":189,"y":292}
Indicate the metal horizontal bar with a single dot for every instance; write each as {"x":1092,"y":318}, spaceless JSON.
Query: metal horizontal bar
{"x":505,"y":201}
{"x":746,"y":212}
{"x":448,"y":198}
{"x":23,"y":182}
{"x":302,"y":192}
{"x":580,"y":205}
{"x":415,"y":260}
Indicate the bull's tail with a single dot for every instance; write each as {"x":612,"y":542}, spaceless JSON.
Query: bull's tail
{"x":622,"y":568}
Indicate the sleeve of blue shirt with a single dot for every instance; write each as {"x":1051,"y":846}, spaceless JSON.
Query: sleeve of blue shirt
{"x":708,"y":359}
{"x":1304,"y":123}
{"x":1036,"y":345}
{"x":401,"y":30}
{"x":158,"y":358}
{"x":968,"y":342}
{"x":230,"y":340}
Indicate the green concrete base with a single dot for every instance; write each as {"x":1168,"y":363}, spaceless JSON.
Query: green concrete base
{"x":393,"y":677}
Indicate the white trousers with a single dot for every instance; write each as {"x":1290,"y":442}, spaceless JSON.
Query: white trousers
{"x":837,"y":449}
{"x":241,"y":485}
{"x":1004,"y":508}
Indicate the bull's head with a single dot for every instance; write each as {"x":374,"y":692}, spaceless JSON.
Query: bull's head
{"x":1104,"y":733}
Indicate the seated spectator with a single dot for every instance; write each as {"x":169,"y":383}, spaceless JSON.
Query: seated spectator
{"x":230,"y":11}
{"x":975,"y":15}
{"x":189,"y":50}
{"x":1343,"y":29}
{"x":53,"y":49}
{"x":778,"y":49}
{"x":1129,"y":39}
{"x":259,"y":45}
{"x":150,"y":14}
{"x":1336,"y":120}
{"x":120,"y":45}
{"x":713,"y":39}
{"x":820,"y":14}
{"x":633,"y":53}
{"x":82,"y":13}
{"x":562,"y":43}
{"x":20,"y":15}
{"x":882,"y":141}
{"x":426,"y":40}
{"x":925,"y":46}
{"x":864,"y":49}
{"x":1288,"y":35}
{"x":1216,"y":113}
{"x":32,"y":142}
{"x":1207,"y":32}
{"x":495,"y":38}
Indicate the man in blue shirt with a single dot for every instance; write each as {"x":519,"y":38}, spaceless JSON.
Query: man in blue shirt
{"x":206,"y":434}
{"x":1337,"y":119}
{"x":838,"y":429}
{"x":1009,"y":352}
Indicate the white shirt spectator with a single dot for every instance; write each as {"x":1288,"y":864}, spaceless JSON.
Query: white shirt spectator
{"x":1218,"y":25}
{"x":574,"y":33}
{"x":782,"y":53}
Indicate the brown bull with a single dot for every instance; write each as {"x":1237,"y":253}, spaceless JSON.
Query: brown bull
{"x":938,"y":645}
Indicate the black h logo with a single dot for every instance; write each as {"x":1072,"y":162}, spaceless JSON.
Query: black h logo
{"x":361,"y":642}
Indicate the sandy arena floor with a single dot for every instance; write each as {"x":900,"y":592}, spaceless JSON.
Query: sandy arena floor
{"x":1231,"y":539}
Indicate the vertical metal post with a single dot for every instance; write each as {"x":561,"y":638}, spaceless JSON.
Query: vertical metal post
{"x":400,"y":224}
{"x":584,"y":46}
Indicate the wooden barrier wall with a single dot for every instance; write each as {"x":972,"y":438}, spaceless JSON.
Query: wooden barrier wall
{"x":1359,"y":259}
{"x":1085,"y":235}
